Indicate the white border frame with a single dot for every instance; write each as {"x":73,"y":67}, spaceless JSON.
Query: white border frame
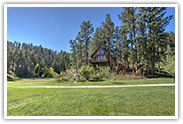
{"x":90,"y":5}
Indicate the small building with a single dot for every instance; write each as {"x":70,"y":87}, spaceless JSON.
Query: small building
{"x":101,"y":57}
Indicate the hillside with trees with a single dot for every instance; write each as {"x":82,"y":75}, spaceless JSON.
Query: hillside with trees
{"x":140,"y":46}
{"x":27,"y":60}
{"x":139,"y":43}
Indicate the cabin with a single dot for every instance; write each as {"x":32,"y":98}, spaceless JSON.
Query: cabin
{"x":101,"y":57}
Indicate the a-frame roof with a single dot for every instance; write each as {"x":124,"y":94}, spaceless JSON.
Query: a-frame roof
{"x":102,"y":49}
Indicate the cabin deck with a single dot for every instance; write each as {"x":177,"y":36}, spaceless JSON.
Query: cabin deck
{"x":99,"y":61}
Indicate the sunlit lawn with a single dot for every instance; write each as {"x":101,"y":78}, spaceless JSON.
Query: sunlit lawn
{"x":129,"y":101}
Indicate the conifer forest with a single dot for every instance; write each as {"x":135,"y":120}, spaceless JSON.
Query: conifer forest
{"x":139,"y":44}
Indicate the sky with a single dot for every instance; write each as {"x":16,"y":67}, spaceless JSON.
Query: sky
{"x":54,"y":27}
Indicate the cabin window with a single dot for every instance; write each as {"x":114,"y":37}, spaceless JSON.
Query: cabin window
{"x":101,"y":58}
{"x":100,"y":51}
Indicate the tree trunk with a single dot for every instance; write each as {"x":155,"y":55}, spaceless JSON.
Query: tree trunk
{"x":127,"y":67}
{"x":158,"y":61}
{"x":132,"y":68}
{"x":173,"y":78}
{"x":76,"y":67}
{"x":110,"y":53}
{"x":147,"y":69}
{"x":158,"y":68}
{"x":152,"y":62}
{"x":86,"y":54}
{"x":152,"y":66}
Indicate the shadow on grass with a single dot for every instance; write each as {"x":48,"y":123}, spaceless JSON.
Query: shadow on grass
{"x":96,"y":80}
{"x":118,"y":82}
{"x":10,"y":79}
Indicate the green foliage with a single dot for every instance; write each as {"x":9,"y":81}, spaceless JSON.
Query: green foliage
{"x":55,"y":75}
{"x":36,"y":70}
{"x":170,"y":65}
{"x":140,"y":41}
{"x":27,"y":60}
{"x":86,"y":34}
{"x":12,"y":77}
{"x":139,"y":72}
{"x":61,"y":74}
{"x":86,"y":71}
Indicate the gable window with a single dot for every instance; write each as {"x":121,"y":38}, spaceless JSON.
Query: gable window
{"x":100,"y":51}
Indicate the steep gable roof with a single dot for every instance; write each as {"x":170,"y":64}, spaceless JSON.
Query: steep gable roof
{"x":102,"y":49}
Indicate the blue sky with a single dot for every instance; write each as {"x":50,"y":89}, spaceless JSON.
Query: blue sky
{"x":53,"y":27}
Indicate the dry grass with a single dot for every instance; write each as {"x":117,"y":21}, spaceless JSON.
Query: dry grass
{"x":126,"y":77}
{"x":37,"y":79}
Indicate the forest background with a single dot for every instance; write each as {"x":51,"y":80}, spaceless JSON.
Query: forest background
{"x":140,"y":42}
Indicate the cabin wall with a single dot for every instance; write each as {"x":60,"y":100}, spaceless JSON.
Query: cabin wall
{"x":96,"y":55}
{"x":105,"y":54}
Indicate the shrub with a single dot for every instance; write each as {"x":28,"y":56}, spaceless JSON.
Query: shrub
{"x":105,"y":71}
{"x":64,"y":79}
{"x":55,"y":75}
{"x":86,"y":71}
{"x":70,"y":73}
{"x":80,"y":78}
{"x":96,"y":76}
{"x":12,"y":77}
{"x":138,"y":72}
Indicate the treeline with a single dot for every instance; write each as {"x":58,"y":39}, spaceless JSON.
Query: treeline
{"x":140,"y":42}
{"x":27,"y":60}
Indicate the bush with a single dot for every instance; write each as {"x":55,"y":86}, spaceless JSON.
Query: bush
{"x":55,"y":75}
{"x":105,"y":72}
{"x":80,"y":78}
{"x":63,"y":79}
{"x":12,"y":77}
{"x":86,"y":71}
{"x":138,"y":72}
{"x":96,"y":76}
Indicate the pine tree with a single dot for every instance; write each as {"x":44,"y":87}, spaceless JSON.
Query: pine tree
{"x":119,"y":44}
{"x":108,"y":36}
{"x":126,"y":47}
{"x":86,"y":33}
{"x":73,"y":50}
{"x":95,"y":43}
{"x":129,"y":18}
{"x":80,"y":49}
{"x":22,"y":59}
{"x":155,"y":23}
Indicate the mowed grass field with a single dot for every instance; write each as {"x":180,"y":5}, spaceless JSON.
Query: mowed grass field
{"x":126,"y":101}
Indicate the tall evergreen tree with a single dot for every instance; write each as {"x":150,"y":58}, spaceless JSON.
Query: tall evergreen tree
{"x":129,"y":18}
{"x":86,"y":33}
{"x":80,"y":49}
{"x":95,"y":43}
{"x":73,"y":50}
{"x":108,"y":35}
{"x":155,"y":23}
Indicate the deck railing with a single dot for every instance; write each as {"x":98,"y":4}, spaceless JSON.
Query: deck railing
{"x":98,"y":60}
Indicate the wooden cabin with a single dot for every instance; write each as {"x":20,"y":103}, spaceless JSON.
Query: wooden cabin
{"x":101,"y":57}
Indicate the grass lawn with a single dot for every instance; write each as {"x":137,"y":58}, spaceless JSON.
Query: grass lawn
{"x":127,"y":101}
{"x":53,"y":82}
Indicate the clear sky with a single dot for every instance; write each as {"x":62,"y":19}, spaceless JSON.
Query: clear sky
{"x":53,"y":27}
